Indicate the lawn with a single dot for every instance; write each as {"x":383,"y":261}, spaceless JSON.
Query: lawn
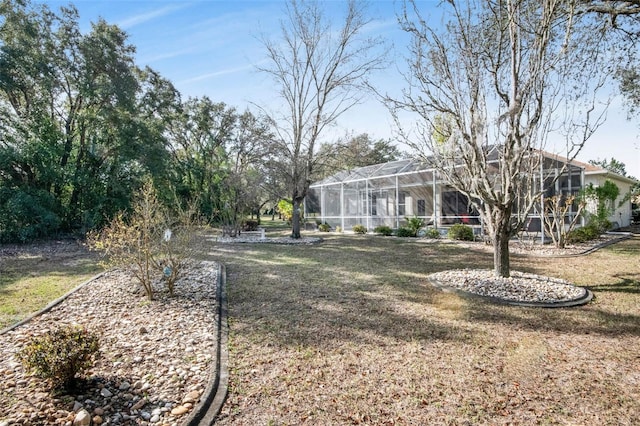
{"x":31,"y":276}
{"x":349,"y":331}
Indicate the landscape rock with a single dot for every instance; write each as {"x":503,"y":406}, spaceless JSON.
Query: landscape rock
{"x":83,"y":418}
{"x":192,"y":396}
{"x":179,"y":410}
{"x":129,"y":375}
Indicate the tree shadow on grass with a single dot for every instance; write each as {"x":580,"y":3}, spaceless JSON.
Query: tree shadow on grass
{"x":370,"y":288}
{"x":351,"y":289}
{"x":627,"y":284}
{"x":581,"y":320}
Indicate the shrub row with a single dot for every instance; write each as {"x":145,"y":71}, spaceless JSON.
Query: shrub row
{"x":456,"y":232}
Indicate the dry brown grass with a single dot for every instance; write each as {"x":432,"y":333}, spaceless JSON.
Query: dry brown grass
{"x":350,"y":332}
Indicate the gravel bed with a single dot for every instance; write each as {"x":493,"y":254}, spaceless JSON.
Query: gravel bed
{"x":155,"y":357}
{"x":269,"y":240}
{"x":519,"y":287}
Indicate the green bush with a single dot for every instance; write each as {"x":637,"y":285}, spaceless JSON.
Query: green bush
{"x":404,"y":232}
{"x":60,"y":354}
{"x":25,"y":216}
{"x":383,"y":230}
{"x":576,"y":236}
{"x":460,"y":232}
{"x":581,"y":235}
{"x":324,"y":227}
{"x":432,"y":233}
{"x":359,"y":229}
{"x":338,"y":228}
{"x":414,"y":224}
{"x":601,"y":225}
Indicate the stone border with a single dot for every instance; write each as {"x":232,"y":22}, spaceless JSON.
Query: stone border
{"x":51,"y":305}
{"x":215,"y":394}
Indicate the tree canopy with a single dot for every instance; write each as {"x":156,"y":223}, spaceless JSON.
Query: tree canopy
{"x":612,"y":165}
{"x":353,"y":152}
{"x":82,"y":126}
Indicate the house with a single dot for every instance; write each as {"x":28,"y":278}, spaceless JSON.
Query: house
{"x":623,"y":209}
{"x":386,"y":194}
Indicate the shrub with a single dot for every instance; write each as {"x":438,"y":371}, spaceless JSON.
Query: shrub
{"x":179,"y":245}
{"x":359,"y":229}
{"x":133,"y":242}
{"x":324,"y":227}
{"x":601,"y":225}
{"x":460,"y":232}
{"x":26,"y":216}
{"x":414,"y":224}
{"x":150,"y":241}
{"x":576,"y":236}
{"x":383,"y":230}
{"x":432,"y":233}
{"x":404,"y":232}
{"x":285,"y":208}
{"x":338,"y":228}
{"x":250,"y":225}
{"x":60,"y":354}
{"x":581,"y":235}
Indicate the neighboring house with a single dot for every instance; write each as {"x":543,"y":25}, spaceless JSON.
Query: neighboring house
{"x":386,"y":194}
{"x":597,"y":176}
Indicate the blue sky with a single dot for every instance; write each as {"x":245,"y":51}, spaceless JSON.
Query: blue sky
{"x":211,"y":47}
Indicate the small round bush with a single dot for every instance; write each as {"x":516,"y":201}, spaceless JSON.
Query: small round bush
{"x":460,"y":232}
{"x":338,"y":229}
{"x":383,"y":230}
{"x":404,"y":232}
{"x":576,"y":236}
{"x":60,"y":354}
{"x":432,"y":233}
{"x":359,"y":229}
{"x":324,"y":227}
{"x":414,"y":224}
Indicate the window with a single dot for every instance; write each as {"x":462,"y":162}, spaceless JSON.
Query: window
{"x":374,"y":205}
{"x":422,"y":207}
{"x":402,"y":199}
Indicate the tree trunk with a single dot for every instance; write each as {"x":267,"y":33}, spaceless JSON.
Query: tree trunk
{"x":501,"y":266}
{"x":296,"y":219}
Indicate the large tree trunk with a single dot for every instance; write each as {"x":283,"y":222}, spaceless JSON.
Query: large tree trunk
{"x":501,"y":234}
{"x":296,"y":218}
{"x":501,"y":267}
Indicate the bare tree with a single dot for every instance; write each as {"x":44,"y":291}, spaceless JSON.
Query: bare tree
{"x":319,"y":72}
{"x":612,"y":8}
{"x":488,"y":90}
{"x":556,"y":212}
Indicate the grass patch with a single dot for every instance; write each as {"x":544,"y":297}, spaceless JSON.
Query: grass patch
{"x":33,"y":276}
{"x":349,"y":331}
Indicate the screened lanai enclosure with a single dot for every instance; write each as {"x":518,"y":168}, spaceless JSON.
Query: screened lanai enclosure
{"x":389,"y":193}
